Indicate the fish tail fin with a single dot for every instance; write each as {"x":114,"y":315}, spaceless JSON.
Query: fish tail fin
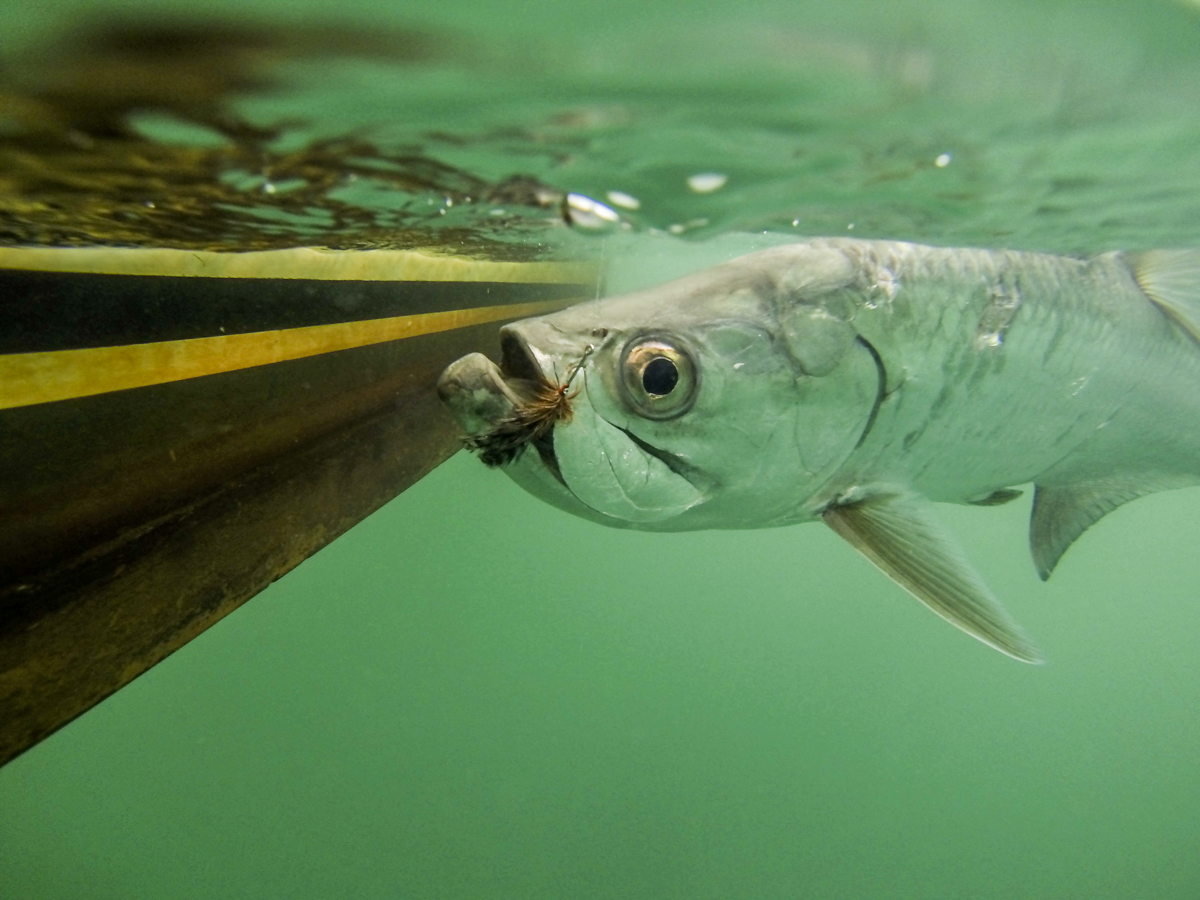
{"x":1171,"y":279}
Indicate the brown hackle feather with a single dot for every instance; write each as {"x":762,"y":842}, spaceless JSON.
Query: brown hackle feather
{"x":544,"y":405}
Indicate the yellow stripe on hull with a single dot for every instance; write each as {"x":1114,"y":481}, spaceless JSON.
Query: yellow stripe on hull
{"x":298,"y":262}
{"x":44,"y":377}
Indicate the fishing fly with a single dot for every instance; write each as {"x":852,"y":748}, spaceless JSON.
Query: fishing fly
{"x":546,"y":404}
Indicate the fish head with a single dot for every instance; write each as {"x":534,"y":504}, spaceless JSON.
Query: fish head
{"x":725,"y":399}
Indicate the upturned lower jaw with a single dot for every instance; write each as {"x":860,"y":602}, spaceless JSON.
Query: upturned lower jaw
{"x":503,"y":417}
{"x":476,"y":394}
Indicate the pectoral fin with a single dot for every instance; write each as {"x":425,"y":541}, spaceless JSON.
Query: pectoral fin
{"x":900,"y":535}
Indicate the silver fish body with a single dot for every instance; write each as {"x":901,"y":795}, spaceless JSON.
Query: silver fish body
{"x":855,"y":381}
{"x":1007,"y":368}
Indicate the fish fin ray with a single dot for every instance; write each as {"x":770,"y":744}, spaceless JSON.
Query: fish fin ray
{"x":1062,"y":513}
{"x":901,"y":536}
{"x":1171,"y":279}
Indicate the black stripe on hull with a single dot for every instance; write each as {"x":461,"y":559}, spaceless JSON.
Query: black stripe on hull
{"x":46,"y":311}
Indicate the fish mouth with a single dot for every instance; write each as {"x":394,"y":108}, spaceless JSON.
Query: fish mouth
{"x":594,"y":468}
{"x":517,"y":359}
{"x":507,"y":409}
{"x":521,"y":369}
{"x":473,"y":389}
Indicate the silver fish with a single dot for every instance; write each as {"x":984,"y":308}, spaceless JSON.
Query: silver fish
{"x":854,"y":382}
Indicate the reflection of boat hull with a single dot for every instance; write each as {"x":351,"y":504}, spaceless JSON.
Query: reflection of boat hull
{"x":179,"y":471}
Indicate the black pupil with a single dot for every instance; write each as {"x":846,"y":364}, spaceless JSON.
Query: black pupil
{"x":660,"y":376}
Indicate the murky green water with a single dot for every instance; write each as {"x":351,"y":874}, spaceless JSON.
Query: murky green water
{"x":472,"y":695}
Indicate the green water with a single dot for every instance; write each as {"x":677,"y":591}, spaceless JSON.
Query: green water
{"x":472,"y":695}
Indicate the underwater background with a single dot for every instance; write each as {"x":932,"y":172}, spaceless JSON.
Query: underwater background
{"x":473,"y":695}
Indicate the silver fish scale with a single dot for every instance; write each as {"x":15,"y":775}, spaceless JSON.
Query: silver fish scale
{"x":1075,"y":339}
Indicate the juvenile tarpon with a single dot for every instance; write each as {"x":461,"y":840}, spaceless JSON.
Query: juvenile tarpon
{"x":854,"y":382}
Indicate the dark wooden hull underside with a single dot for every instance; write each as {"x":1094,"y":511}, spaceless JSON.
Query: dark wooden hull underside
{"x":228,"y":427}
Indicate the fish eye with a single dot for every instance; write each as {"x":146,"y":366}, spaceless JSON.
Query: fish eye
{"x":658,"y":377}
